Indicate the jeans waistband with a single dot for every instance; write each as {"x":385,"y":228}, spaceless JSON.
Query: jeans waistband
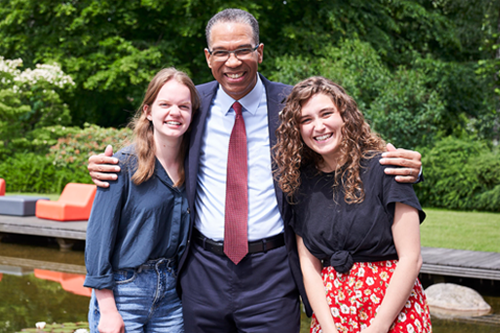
{"x":153,"y":263}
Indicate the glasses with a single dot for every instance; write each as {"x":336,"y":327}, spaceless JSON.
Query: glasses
{"x":241,"y":54}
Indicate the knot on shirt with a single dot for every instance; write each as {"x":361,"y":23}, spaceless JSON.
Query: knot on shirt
{"x":342,"y":261}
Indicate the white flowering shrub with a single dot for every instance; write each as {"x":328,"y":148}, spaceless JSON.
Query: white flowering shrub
{"x":32,"y":113}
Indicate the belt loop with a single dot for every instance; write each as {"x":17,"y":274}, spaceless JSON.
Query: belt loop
{"x":204,"y":243}
{"x":159,"y":262}
{"x":264,"y":247}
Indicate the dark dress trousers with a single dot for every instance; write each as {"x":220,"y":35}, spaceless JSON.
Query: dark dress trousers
{"x":276,"y":94}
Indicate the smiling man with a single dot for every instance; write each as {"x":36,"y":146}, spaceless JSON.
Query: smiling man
{"x":253,"y":288}
{"x":236,"y":71}
{"x":241,"y":272}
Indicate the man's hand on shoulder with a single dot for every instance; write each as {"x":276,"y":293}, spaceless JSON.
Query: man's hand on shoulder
{"x":409,"y":161}
{"x":103,"y":167}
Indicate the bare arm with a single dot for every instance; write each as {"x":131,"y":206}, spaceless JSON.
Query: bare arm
{"x":406,"y":234}
{"x":103,"y":167}
{"x":111,"y":321}
{"x":311,"y":271}
{"x":410,"y":162}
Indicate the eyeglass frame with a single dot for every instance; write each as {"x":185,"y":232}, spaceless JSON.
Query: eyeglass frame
{"x":253,"y":49}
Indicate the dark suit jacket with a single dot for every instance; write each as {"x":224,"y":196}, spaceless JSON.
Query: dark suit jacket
{"x":276,"y":94}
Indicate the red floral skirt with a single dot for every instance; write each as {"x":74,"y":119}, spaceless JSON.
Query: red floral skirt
{"x":354,"y":298}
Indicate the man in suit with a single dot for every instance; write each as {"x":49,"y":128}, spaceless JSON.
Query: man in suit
{"x":258,"y":294}
{"x":252,"y":287}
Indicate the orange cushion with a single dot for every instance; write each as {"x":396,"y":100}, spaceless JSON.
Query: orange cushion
{"x":75,"y":203}
{"x":2,"y":186}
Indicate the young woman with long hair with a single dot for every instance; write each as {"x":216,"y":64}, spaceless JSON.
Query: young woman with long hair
{"x":139,"y":225}
{"x":357,"y":228}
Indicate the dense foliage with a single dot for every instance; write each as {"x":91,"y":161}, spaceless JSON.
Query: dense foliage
{"x":66,"y":161}
{"x":111,"y":48}
{"x":391,"y":101}
{"x":32,"y":113}
{"x":425,"y":73}
{"x":461,"y":174}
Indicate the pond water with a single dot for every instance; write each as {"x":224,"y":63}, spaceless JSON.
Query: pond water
{"x":40,"y":283}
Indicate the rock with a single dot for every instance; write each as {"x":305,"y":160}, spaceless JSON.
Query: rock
{"x":450,"y":300}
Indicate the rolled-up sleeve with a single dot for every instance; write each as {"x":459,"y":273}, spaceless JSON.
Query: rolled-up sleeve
{"x":394,"y":192}
{"x":102,"y":230}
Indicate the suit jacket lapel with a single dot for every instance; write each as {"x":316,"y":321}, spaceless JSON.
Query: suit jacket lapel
{"x":207,"y":92}
{"x":276,"y":94}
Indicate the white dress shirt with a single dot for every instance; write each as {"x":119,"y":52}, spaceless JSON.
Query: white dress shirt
{"x":264,"y":219}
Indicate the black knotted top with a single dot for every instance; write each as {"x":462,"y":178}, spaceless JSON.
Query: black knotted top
{"x":340,"y":234}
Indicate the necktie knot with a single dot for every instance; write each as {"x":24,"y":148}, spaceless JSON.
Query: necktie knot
{"x":237,"y":108}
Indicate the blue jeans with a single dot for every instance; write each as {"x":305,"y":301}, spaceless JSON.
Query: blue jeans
{"x":146,"y":299}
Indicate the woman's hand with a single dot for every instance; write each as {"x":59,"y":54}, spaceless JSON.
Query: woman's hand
{"x":111,"y":322}
{"x":373,"y":329}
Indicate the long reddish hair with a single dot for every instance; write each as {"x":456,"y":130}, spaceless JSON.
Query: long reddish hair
{"x":143,"y":128}
{"x":291,"y":154}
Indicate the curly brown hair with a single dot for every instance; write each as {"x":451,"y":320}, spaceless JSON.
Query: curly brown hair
{"x":291,"y":155}
{"x":143,"y":128}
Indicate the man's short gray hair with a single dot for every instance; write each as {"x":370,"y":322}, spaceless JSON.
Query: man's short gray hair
{"x":233,"y":15}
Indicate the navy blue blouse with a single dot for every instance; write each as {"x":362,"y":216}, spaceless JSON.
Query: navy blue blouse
{"x":340,"y":234}
{"x":131,"y":224}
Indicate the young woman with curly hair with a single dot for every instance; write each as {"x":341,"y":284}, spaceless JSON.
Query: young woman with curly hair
{"x":357,"y":228}
{"x":138,"y":227}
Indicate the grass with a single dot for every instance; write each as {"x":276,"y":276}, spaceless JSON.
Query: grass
{"x":51,"y":196}
{"x":473,"y":231}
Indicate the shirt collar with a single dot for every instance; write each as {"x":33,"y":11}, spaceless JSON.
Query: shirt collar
{"x":250,"y":102}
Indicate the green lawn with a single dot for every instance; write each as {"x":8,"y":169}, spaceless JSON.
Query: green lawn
{"x":50,"y":196}
{"x":461,"y":230}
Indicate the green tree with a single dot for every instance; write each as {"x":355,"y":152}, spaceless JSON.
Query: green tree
{"x":112,"y":48}
{"x":31,"y":108}
{"x":404,"y":106}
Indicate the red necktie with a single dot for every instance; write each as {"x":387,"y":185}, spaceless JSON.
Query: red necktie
{"x":236,"y":213}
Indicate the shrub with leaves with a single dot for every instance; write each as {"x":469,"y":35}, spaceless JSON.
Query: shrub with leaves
{"x":461,"y":174}
{"x":74,"y":149}
{"x":32,"y":113}
{"x":66,"y":162}
{"x":410,"y":106}
{"x":34,"y":173}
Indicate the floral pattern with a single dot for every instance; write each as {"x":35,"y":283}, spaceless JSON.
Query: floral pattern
{"x":354,"y":298}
